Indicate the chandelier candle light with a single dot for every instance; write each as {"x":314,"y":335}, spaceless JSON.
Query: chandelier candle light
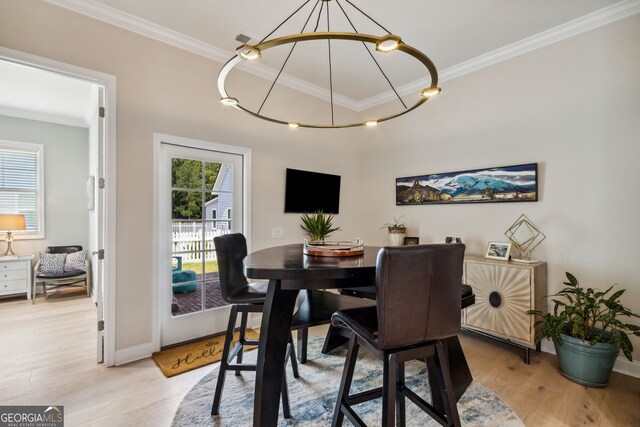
{"x":10,"y":223}
{"x":386,"y":44}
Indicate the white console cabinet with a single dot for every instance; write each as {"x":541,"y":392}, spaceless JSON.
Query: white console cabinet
{"x":15,"y":275}
{"x":504,"y":292}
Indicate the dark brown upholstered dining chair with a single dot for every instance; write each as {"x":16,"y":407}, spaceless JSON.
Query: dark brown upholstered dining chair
{"x":418,"y":308}
{"x":244,"y":298}
{"x":316,"y":308}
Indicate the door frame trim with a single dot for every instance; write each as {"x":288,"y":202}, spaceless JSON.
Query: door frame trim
{"x":158,"y":139}
{"x":107,"y":81}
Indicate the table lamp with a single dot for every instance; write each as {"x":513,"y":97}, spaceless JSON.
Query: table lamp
{"x":10,"y":223}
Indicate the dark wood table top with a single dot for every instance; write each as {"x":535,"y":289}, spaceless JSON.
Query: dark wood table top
{"x":289,"y":263}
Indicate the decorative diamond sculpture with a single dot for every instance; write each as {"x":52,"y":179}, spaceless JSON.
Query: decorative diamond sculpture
{"x":525,"y":237}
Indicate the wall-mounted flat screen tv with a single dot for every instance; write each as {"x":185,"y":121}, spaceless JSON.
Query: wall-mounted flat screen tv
{"x":307,"y":192}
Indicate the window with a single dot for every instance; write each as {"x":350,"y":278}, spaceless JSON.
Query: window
{"x":21,"y":186}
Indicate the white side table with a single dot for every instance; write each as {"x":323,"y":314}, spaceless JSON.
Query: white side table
{"x":15,"y":275}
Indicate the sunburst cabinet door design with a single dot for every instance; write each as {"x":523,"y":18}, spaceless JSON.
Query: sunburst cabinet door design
{"x":504,"y":292}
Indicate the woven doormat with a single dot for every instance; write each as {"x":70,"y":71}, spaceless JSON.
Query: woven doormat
{"x":177,"y":360}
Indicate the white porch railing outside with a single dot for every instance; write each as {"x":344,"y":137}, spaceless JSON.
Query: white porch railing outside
{"x":188,"y":244}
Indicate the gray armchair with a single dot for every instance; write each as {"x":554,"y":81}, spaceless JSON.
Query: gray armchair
{"x":54,"y":269}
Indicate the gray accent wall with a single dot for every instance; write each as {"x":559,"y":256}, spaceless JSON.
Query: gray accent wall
{"x":66,"y":155}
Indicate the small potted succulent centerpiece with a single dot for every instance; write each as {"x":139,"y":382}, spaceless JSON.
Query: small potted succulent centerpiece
{"x":397,"y":231}
{"x":588,"y":332}
{"x":318,"y":226}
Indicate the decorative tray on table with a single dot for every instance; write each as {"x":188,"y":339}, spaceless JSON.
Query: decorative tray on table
{"x":333,"y":249}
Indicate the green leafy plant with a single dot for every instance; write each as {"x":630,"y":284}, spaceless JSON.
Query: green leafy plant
{"x":396,"y":227}
{"x":589,"y":315}
{"x":318,"y":226}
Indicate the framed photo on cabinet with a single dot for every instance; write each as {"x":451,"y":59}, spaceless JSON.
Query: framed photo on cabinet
{"x":499,"y":251}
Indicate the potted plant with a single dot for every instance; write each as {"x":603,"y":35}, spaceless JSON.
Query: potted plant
{"x":318,"y":226}
{"x":588,"y":332}
{"x":397,"y":231}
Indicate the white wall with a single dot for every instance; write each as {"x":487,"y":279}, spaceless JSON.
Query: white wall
{"x":573,"y":107}
{"x":66,"y":154}
{"x":166,"y":90}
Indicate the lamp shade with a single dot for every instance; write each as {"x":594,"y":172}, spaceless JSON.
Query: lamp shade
{"x":10,"y":222}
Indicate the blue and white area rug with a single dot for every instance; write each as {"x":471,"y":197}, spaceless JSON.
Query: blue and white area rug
{"x":312,"y":396}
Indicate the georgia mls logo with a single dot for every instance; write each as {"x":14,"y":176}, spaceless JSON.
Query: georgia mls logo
{"x":32,"y":416}
{"x":53,"y":408}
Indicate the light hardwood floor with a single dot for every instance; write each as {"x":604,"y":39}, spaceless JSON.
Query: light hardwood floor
{"x":47,"y":356}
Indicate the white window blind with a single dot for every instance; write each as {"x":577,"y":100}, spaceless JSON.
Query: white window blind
{"x":20,"y":184}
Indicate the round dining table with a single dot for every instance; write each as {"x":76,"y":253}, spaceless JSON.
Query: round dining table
{"x":289,"y":271}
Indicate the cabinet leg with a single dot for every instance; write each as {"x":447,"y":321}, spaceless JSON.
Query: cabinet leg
{"x":538,"y":346}
{"x":527,"y":355}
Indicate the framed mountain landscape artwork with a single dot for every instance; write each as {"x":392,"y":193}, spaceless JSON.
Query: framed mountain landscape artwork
{"x":517,"y":183}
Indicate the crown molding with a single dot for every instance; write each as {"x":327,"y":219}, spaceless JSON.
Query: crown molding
{"x":148,"y":29}
{"x":43,"y":117}
{"x":580,"y":25}
{"x":145,"y":28}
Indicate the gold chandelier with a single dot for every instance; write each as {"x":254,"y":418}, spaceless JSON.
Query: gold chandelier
{"x":386,"y":44}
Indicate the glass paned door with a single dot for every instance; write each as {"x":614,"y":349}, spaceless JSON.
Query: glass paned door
{"x":202,"y":199}
{"x":195,"y":281}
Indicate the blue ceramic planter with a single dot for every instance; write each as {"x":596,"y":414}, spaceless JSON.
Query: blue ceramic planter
{"x":586,"y":364}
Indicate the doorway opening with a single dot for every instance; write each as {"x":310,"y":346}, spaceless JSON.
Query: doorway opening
{"x":33,"y":110}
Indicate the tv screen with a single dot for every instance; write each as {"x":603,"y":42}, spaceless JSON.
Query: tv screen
{"x":307,"y":192}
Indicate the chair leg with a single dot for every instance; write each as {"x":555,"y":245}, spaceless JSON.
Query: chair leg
{"x":294,"y":363}
{"x":286,"y":409}
{"x":389,"y":385}
{"x":401,"y":419}
{"x":303,"y":338}
{"x":215,"y":407}
{"x":448,"y":395}
{"x":242,"y":337}
{"x":224,"y":362}
{"x":345,"y":382}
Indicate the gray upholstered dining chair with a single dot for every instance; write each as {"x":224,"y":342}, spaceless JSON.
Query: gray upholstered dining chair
{"x":62,"y":266}
{"x":418,"y":294}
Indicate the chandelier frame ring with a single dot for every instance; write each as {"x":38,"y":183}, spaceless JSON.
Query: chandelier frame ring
{"x":303,"y":37}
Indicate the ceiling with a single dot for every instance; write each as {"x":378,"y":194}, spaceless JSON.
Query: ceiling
{"x":459,"y":36}
{"x":42,"y":95}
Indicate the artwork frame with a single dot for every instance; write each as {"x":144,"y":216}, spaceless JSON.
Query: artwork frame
{"x":500,"y":251}
{"x":411,"y":241}
{"x":502,"y":184}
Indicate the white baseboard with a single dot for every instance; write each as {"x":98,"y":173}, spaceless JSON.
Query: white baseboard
{"x":131,"y":354}
{"x":622,"y":365}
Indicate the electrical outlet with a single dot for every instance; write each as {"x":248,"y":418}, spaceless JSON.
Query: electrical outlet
{"x":277,"y":233}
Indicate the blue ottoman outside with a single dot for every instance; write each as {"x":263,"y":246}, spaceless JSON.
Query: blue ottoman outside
{"x":181,"y":276}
